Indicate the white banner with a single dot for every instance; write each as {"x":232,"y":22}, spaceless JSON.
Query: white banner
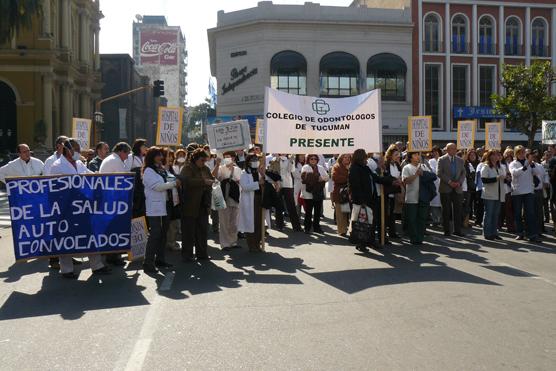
{"x":139,"y":236}
{"x":301,"y":124}
{"x":81,"y":132}
{"x":548,"y":132}
{"x":229,"y":136}
{"x":168,"y":132}
{"x":466,"y":134}
{"x":419,"y":130}
{"x":493,"y":135}
{"x":259,"y":132}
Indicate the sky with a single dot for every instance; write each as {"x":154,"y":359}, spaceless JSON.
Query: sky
{"x":193,"y":17}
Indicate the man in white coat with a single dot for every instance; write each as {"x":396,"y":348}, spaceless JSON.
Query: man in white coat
{"x":69,"y":163}
{"x":59,"y":149}
{"x":24,"y":165}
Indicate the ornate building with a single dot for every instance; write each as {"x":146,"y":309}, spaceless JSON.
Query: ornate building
{"x":50,"y":73}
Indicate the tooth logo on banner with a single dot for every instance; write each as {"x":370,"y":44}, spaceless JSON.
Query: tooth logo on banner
{"x":321,"y":107}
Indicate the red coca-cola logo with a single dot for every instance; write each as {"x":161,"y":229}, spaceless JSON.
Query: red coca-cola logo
{"x":153,"y":49}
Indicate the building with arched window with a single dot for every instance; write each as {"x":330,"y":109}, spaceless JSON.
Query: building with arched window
{"x":317,"y":51}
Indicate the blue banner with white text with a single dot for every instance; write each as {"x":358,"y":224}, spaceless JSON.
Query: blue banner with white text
{"x":70,"y":214}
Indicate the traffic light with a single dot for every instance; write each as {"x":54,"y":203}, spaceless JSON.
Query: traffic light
{"x":158,"y":89}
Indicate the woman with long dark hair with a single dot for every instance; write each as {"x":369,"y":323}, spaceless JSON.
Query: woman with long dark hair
{"x":493,"y":177}
{"x":136,"y":159}
{"x":314,"y":177}
{"x":392,"y":168}
{"x":158,"y":191}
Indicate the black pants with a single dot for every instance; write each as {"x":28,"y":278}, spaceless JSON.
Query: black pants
{"x":452,"y":205}
{"x":313,"y":211}
{"x":215,"y":222}
{"x":479,"y":207}
{"x":158,"y":229}
{"x":286,"y":195}
{"x":390,"y":216}
{"x":194,"y":232}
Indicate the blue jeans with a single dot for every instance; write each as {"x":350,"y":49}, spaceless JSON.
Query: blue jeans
{"x":490,"y":222}
{"x":525,"y":204}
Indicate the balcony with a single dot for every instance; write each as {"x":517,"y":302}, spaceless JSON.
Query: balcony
{"x":459,"y":47}
{"x":513,"y":50}
{"x":539,"y":51}
{"x":431,"y":47}
{"x":487,"y":48}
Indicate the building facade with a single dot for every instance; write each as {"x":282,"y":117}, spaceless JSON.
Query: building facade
{"x":160,"y":53}
{"x":313,"y":50}
{"x":460,"y":47}
{"x":132,"y":116}
{"x":49,"y":73}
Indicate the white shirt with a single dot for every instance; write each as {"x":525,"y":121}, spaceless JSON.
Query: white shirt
{"x":18,"y":167}
{"x":286,"y":170}
{"x":540,"y":172}
{"x":48,"y":163}
{"x":496,"y":190}
{"x":134,"y":161}
{"x":63,"y":166}
{"x":522,"y":181}
{"x":372,"y":164}
{"x":114,"y":164}
{"x":308,"y":169}
{"x":412,"y":189}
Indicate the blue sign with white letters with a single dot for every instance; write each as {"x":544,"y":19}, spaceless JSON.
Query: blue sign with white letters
{"x":70,"y":214}
{"x":475,"y":112}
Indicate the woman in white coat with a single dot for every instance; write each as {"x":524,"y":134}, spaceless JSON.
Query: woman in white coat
{"x":228,"y":174}
{"x":297,"y":181}
{"x":158,"y":192}
{"x":250,"y":201}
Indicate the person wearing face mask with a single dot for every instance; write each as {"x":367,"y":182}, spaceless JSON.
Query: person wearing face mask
{"x":70,"y":163}
{"x":228,"y":174}
{"x":250,"y":201}
{"x":179,"y":163}
{"x":240,"y":156}
{"x":212,"y":163}
{"x":286,"y":193}
{"x":173,"y":202}
{"x":59,"y":149}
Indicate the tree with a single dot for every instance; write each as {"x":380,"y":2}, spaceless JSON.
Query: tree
{"x":198,"y":115}
{"x":16,"y":15}
{"x":527,"y":100}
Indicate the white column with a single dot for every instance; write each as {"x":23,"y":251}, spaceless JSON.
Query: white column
{"x":501,"y":43}
{"x":66,"y":24}
{"x":46,"y":18}
{"x":47,"y":107}
{"x":553,"y":44}
{"x":66,"y":112}
{"x":421,"y":74}
{"x":474,"y":67}
{"x":527,"y":38}
{"x":447,"y":69}
{"x":97,"y":51}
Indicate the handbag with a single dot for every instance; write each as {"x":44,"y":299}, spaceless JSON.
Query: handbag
{"x":361,"y":226}
{"x":345,"y":208}
{"x":218,"y":201}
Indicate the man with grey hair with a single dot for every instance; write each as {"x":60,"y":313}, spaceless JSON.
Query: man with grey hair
{"x":451,"y":172}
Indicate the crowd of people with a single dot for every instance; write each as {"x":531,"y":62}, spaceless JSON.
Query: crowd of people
{"x":495,"y":190}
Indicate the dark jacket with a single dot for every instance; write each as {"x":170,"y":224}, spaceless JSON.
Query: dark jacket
{"x":94,"y":164}
{"x":196,"y":194}
{"x":427,"y":188}
{"x":363,"y":182}
{"x":340,"y":176}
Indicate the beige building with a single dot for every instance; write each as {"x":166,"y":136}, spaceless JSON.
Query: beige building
{"x":50,"y":73}
{"x":313,"y":50}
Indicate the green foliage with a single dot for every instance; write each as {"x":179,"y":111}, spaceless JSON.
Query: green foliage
{"x":527,"y":100}
{"x":16,"y":15}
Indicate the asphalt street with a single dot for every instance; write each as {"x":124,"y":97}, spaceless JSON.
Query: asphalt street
{"x":308,"y":303}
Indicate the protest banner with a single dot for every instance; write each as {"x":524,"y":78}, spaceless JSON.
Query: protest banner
{"x":259,"y":132}
{"x":466,"y":134}
{"x":419,"y":133}
{"x":139,"y":238}
{"x":168,"y":131}
{"x":70,"y":214}
{"x":548,"y":132}
{"x":493,"y":135}
{"x":301,"y":124}
{"x":81,"y":132}
{"x":229,"y":136}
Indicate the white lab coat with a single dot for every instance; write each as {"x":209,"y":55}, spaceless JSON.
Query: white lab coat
{"x":155,"y":192}
{"x":114,"y":164}
{"x":246,"y":223}
{"x":18,"y":167}
{"x":134,"y":161}
{"x":297,"y":181}
{"x":48,"y":163}
{"x":63,"y":167}
{"x":436,"y":200}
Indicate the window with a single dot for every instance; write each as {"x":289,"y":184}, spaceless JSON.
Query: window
{"x":288,"y":73}
{"x":487,"y":86}
{"x":432,"y":32}
{"x":486,"y":36}
{"x":432,"y":93}
{"x":459,"y":86}
{"x":459,"y":34}
{"x":538,"y":34}
{"x":387,"y":72}
{"x":339,"y":75}
{"x":512,"y":37}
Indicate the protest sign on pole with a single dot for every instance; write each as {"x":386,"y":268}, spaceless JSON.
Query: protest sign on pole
{"x":168,"y":131}
{"x":81,"y":132}
{"x":466,"y":134}
{"x":259,"y":132}
{"x":493,"y":135}
{"x":139,"y":237}
{"x":301,"y":124}
{"x":419,"y":133}
{"x":70,"y":214}
{"x":229,"y":136}
{"x":548,"y":132}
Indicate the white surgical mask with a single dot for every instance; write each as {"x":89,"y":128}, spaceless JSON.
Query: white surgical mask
{"x":180,"y":160}
{"x":255,"y":164}
{"x":227,"y":161}
{"x":76,"y":156}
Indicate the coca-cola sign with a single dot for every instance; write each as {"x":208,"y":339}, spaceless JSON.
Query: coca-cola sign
{"x":159,"y":46}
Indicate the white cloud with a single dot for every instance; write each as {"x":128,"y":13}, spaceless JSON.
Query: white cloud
{"x":194,"y":20}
